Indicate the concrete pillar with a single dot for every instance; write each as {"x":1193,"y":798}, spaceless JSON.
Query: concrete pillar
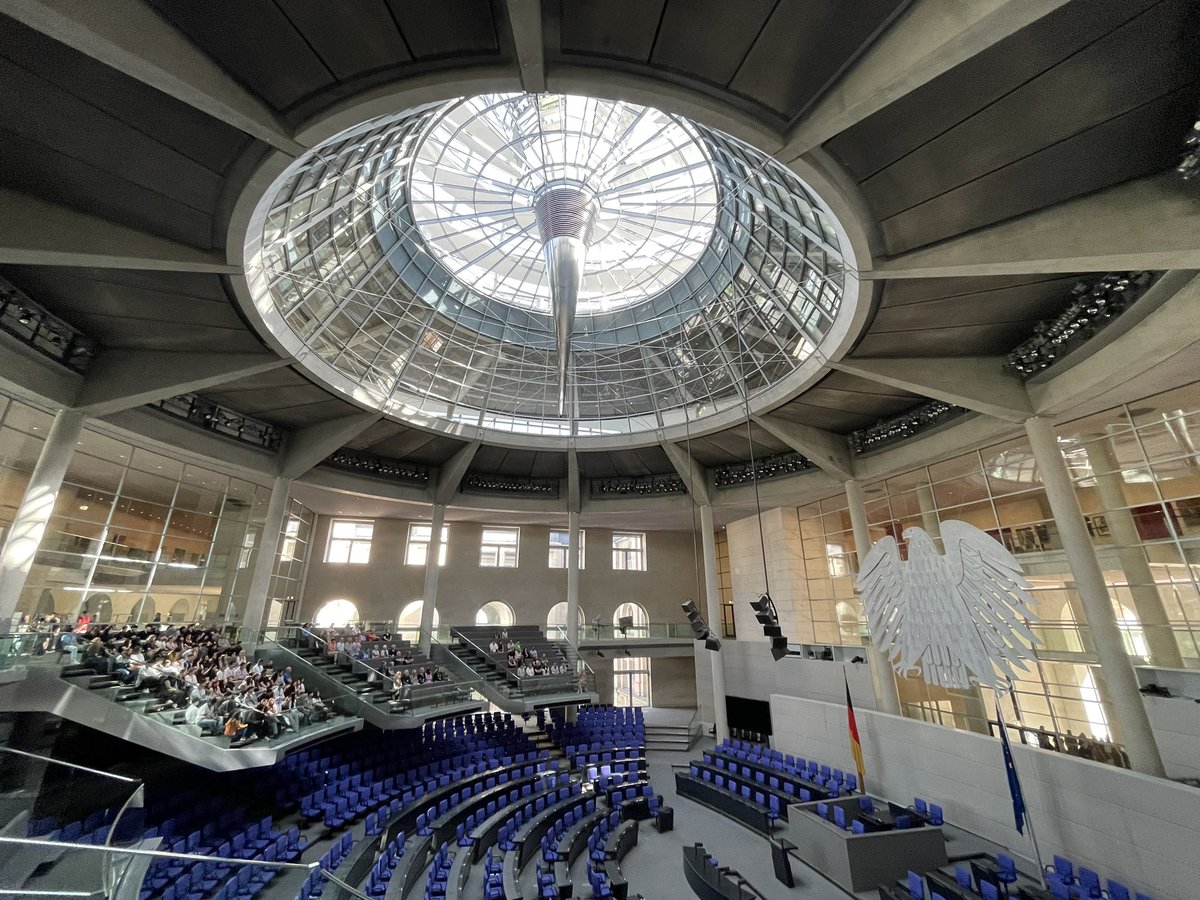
{"x":1110,"y":486}
{"x":264,"y":563}
{"x":29,"y":524}
{"x":432,"y":570}
{"x":883,"y":678}
{"x":713,"y":614}
{"x":1115,"y":668}
{"x":573,"y":579}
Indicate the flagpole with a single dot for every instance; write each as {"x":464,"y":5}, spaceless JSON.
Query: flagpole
{"x":1037,"y":853}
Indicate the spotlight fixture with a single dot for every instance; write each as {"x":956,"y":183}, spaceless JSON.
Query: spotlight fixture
{"x":768,"y":618}
{"x":699,"y":627}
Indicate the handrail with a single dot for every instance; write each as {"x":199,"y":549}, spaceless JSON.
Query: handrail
{"x":60,"y":762}
{"x":345,"y":689}
{"x":166,"y":854}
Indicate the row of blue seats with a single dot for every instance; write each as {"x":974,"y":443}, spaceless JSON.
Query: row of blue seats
{"x":849,"y":821}
{"x":425,"y":820}
{"x":780,"y":782}
{"x":464,"y":830}
{"x":562,"y":826}
{"x":603,"y":751}
{"x":826,"y":777}
{"x":597,"y":855}
{"x":381,"y":871}
{"x":1066,"y":883}
{"x":769,"y":802}
{"x":439,"y":873}
{"x":493,"y":877}
{"x":529,"y":810}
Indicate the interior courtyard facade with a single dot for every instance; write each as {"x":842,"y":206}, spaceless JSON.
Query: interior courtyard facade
{"x":630,"y":304}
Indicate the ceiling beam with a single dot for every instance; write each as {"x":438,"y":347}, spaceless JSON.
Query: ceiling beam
{"x":307,"y":447}
{"x":525,"y":17}
{"x":1148,"y":223}
{"x":826,"y":450}
{"x":123,"y":379}
{"x":451,"y":472}
{"x":930,"y":38}
{"x":132,"y":38}
{"x":33,"y":376}
{"x":36,"y":232}
{"x":694,"y":476}
{"x":978,"y":383}
{"x":1132,"y":346}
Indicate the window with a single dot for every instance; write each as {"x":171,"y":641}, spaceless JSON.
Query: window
{"x":408,"y":624}
{"x":336,"y":613}
{"x":631,"y":681}
{"x":287,"y":549}
{"x":498,"y":548}
{"x":636,"y":617}
{"x":559,"y":541}
{"x":350,"y":541}
{"x":629,"y":551}
{"x":418,"y":545}
{"x":836,"y":555}
{"x":556,"y":621}
{"x":497,"y":613}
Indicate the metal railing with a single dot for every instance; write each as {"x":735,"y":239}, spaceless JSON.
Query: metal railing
{"x":115,"y":866}
{"x":649,"y":631}
{"x":416,"y":697}
{"x":519,"y":688}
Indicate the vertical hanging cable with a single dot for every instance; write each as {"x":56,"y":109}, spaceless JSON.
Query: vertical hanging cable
{"x":762,"y":541}
{"x":687,"y":430}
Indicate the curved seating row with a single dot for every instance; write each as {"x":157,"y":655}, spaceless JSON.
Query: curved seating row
{"x":746,"y":811}
{"x":821,"y":775}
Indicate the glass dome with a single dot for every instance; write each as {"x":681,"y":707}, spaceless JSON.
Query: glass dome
{"x":403,"y":264}
{"x":483,"y":164}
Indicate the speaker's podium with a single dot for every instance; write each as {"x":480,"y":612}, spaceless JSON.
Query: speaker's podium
{"x":859,"y":862}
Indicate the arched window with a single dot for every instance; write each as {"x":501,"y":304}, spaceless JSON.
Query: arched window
{"x":639,"y":624}
{"x":408,"y":623}
{"x":497,"y":613}
{"x":336,"y":614}
{"x":556,"y":621}
{"x":180,"y":610}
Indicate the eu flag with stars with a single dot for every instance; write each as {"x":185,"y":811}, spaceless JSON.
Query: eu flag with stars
{"x":1014,"y":783}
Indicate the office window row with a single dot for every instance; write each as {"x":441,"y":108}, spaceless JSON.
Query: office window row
{"x":350,"y":542}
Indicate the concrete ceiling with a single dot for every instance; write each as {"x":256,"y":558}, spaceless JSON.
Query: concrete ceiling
{"x":135,"y":129}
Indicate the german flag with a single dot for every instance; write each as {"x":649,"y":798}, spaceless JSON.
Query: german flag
{"x":855,"y":744}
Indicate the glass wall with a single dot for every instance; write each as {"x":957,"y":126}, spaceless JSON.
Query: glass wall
{"x":136,"y":534}
{"x":1136,"y":470}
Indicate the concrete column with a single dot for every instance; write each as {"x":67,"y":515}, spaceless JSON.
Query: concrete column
{"x":573,"y":579}
{"x":883,"y":678}
{"x":1110,"y":486}
{"x":432,"y":570}
{"x":713,"y":614}
{"x":29,"y":524}
{"x":264,"y":563}
{"x":1115,"y":667}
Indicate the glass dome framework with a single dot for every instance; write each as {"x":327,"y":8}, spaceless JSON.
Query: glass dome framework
{"x":351,"y":267}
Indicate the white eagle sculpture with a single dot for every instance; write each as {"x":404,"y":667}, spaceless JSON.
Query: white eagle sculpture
{"x":960,"y":618}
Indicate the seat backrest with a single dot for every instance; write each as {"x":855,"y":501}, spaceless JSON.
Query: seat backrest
{"x":989,"y":891}
{"x":839,"y":817}
{"x":858,"y":827}
{"x":919,"y":805}
{"x":1117,"y":891}
{"x":916,"y":885}
{"x":963,"y":876}
{"x":1064,"y":869}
